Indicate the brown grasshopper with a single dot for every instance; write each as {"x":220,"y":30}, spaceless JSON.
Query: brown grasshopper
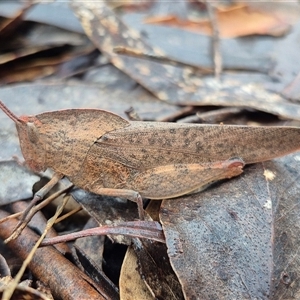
{"x":103,"y":153}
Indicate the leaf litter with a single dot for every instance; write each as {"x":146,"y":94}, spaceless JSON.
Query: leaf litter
{"x":176,"y":84}
{"x":245,"y":229}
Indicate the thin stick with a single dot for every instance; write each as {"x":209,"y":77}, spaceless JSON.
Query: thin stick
{"x":8,"y":292}
{"x":217,"y":57}
{"x":143,"y":229}
{"x":17,"y":231}
{"x":67,"y":215}
{"x":13,"y":216}
{"x":40,"y":194}
{"x":160,"y":58}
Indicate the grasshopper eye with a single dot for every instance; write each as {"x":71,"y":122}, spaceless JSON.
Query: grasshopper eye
{"x":32,"y":133}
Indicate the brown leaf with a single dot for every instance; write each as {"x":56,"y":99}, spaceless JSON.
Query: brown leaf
{"x":10,"y":56}
{"x":27,"y":74}
{"x":284,"y":191}
{"x":107,"y":31}
{"x":56,"y":14}
{"x":156,"y":270}
{"x":233,"y":228}
{"x":236,"y":90}
{"x":11,"y":26}
{"x":176,"y":84}
{"x":234,"y":21}
{"x":131,"y":284}
{"x":94,"y":271}
{"x":30,"y":67}
{"x":134,"y":267}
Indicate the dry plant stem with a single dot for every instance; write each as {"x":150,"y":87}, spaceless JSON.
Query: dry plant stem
{"x":132,"y":114}
{"x":67,"y":215}
{"x":13,"y":216}
{"x":140,"y":206}
{"x":159,"y":58}
{"x":187,"y":110}
{"x":67,"y":282}
{"x":38,"y":224}
{"x":39,"y":195}
{"x":219,"y":115}
{"x":217,"y":58}
{"x":211,"y":117}
{"x":21,"y":225}
{"x":142,"y":229}
{"x":12,"y":286}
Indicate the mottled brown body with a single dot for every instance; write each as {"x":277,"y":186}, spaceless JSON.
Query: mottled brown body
{"x":106,"y":154}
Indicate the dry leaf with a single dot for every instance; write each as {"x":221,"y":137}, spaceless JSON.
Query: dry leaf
{"x":156,"y":271}
{"x":131,"y":284}
{"x":246,"y":232}
{"x":235,"y":21}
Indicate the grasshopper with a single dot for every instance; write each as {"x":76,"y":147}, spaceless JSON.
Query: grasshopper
{"x":103,"y":153}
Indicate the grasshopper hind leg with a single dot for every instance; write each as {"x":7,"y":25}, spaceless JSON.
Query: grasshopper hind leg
{"x":180,"y":179}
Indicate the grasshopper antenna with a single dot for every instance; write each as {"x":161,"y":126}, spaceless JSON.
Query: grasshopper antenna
{"x":11,"y":115}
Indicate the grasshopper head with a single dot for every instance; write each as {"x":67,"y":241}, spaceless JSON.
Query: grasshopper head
{"x":30,"y":144}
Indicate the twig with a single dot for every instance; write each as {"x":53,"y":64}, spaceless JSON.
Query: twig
{"x":217,"y":57}
{"x":160,"y":58}
{"x":8,"y":292}
{"x":142,"y":229}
